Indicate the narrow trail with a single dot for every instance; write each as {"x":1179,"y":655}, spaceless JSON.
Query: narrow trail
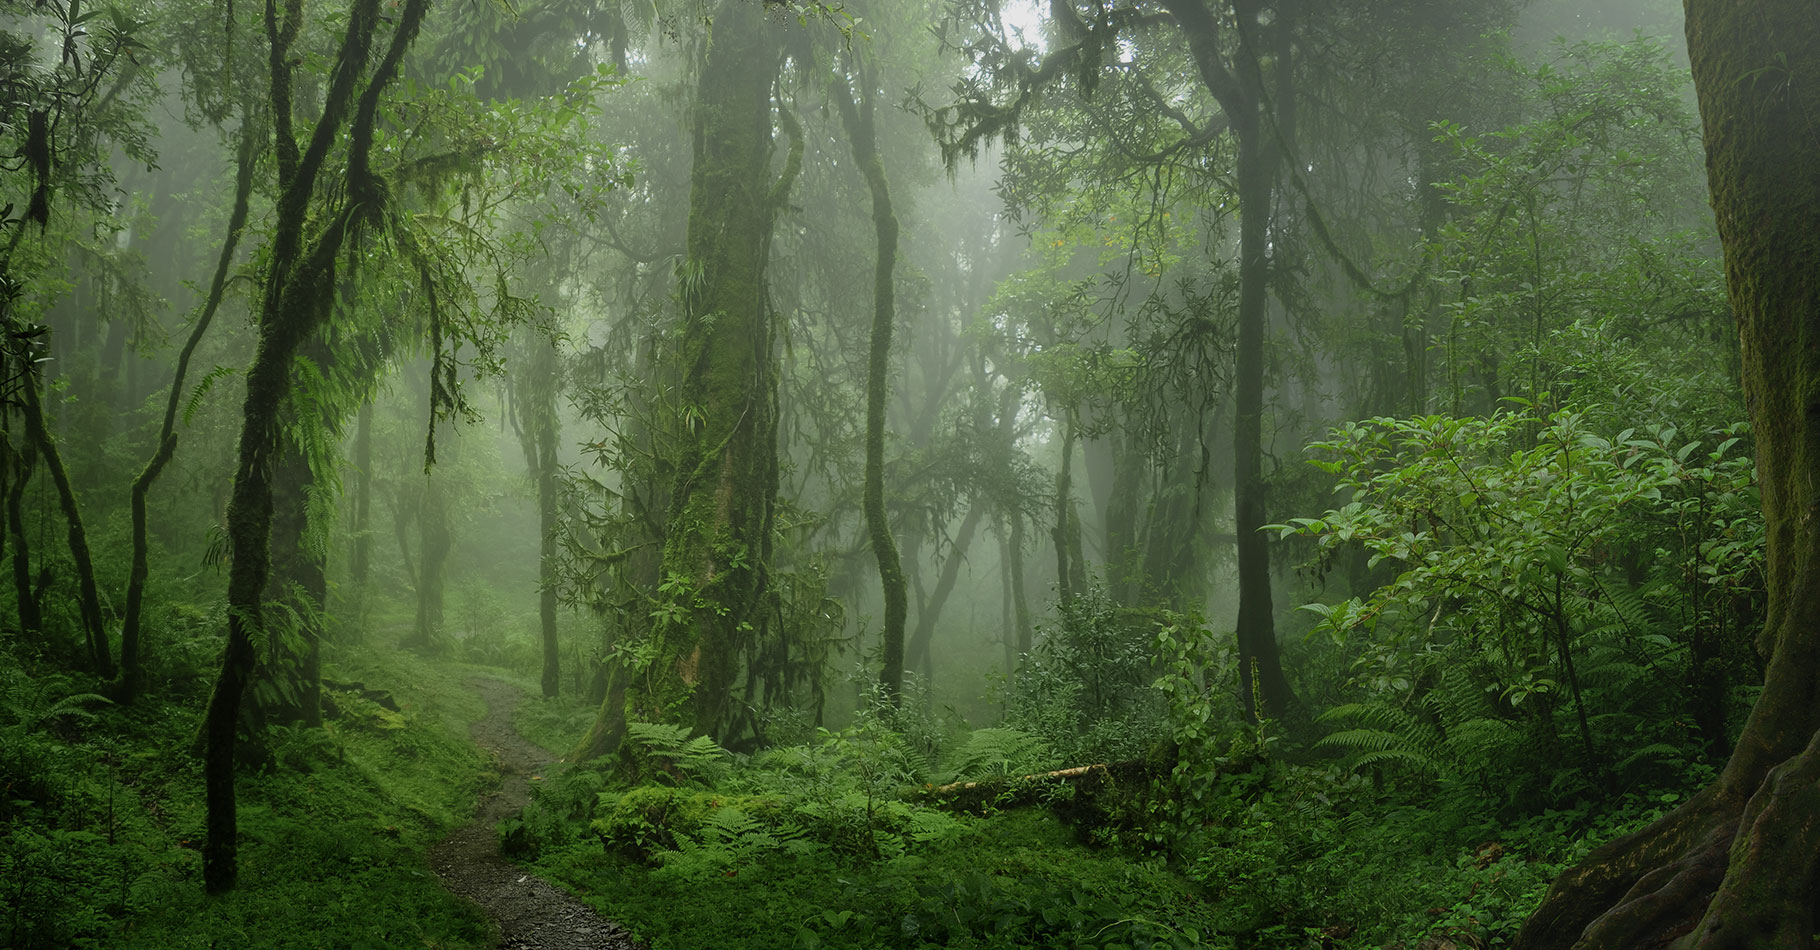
{"x":530,"y":913}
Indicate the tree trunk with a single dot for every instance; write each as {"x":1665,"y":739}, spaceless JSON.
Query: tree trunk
{"x":1738,"y":866}
{"x":19,"y":467}
{"x":534,"y":408}
{"x":861,"y":133}
{"x":433,"y":544}
{"x":298,"y":576}
{"x":297,"y":294}
{"x":717,"y":539}
{"x":245,"y":161}
{"x":1239,"y":88}
{"x":919,"y":652}
{"x":1019,"y":602}
{"x":1070,"y":576}
{"x":360,"y":555}
{"x":88,"y":597}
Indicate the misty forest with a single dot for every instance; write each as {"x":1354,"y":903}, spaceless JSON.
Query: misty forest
{"x":730,"y":474}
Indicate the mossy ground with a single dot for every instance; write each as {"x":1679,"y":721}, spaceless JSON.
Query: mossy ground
{"x":101,"y":845}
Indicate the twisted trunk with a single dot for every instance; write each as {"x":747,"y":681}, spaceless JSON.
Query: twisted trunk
{"x":862,"y":135}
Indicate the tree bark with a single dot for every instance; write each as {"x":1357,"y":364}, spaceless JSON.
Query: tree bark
{"x":862,"y":134}
{"x":88,"y":597}
{"x":1738,"y":865}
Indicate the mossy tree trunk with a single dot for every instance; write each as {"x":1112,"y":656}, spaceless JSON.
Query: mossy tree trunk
{"x":717,"y":538}
{"x":1738,"y":866}
{"x":298,"y":289}
{"x":863,"y":136}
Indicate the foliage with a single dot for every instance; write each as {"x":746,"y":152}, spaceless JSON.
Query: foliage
{"x":1085,"y":688}
{"x":1550,"y":582}
{"x":98,"y":839}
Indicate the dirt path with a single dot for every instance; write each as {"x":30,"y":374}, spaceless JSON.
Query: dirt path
{"x":530,"y":913}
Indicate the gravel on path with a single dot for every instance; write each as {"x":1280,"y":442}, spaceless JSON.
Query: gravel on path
{"x":531,"y":913}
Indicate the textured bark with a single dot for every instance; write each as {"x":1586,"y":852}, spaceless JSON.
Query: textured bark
{"x":717,"y":537}
{"x":1737,"y":866}
{"x":862,"y":135}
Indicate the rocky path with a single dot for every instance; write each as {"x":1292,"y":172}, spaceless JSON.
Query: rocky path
{"x":531,"y":914}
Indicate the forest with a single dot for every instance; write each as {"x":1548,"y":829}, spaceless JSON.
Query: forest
{"x":723,"y":474}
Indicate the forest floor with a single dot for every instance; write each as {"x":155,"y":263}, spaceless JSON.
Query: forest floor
{"x":531,"y":914}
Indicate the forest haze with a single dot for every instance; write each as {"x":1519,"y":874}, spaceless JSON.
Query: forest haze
{"x":909,"y":473}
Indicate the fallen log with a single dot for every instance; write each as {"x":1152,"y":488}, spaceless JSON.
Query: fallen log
{"x":1088,"y":781}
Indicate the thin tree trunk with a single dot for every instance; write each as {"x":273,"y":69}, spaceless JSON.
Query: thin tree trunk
{"x":861,"y":133}
{"x":919,"y":652}
{"x":88,"y":596}
{"x":361,"y":550}
{"x":20,"y":465}
{"x":167,"y":432}
{"x":1019,"y":601}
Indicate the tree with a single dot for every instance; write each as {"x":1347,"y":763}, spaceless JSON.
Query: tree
{"x":298,"y":285}
{"x":862,"y":134}
{"x":1735,"y":866}
{"x":719,"y":522}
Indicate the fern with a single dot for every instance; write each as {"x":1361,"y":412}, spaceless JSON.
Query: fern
{"x":673,"y":752}
{"x":998,"y":752}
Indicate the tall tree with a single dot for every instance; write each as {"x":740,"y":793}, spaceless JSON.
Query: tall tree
{"x":1736,"y":866}
{"x":863,"y":136}
{"x":298,"y":283}
{"x":534,"y":416}
{"x":717,"y":536}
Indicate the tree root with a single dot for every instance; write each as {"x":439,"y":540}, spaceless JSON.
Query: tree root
{"x":1715,"y":874}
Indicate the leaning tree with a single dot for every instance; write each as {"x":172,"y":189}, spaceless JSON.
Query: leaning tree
{"x":1739,"y":864}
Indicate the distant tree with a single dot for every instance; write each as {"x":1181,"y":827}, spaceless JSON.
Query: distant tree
{"x":862,"y":134}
